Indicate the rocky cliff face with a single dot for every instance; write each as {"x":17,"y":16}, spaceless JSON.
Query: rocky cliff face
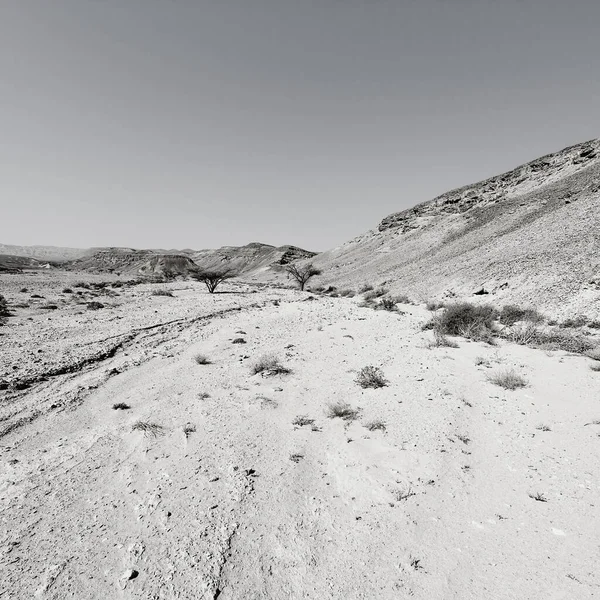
{"x":530,"y":236}
{"x":519,"y":181}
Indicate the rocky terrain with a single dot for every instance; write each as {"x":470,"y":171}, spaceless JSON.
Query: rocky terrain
{"x":142,"y":455}
{"x":530,"y":236}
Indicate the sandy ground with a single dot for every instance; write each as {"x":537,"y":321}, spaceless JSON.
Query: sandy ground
{"x":229,"y":499}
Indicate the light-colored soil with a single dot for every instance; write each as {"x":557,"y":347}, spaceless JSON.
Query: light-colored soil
{"x":231,"y":500}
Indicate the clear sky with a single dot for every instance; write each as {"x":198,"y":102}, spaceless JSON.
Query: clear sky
{"x":202,"y":123}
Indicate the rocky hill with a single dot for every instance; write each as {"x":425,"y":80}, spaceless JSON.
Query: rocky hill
{"x":43,"y":253}
{"x":531,"y":236}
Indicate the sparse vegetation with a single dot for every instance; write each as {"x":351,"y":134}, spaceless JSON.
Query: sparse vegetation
{"x":552,"y":339}
{"x":4,"y":311}
{"x":67,"y":290}
{"x":366,"y":287}
{"x":508,"y":379}
{"x":543,"y":428}
{"x":434,"y":305}
{"x":403,"y":493}
{"x":239,"y":340}
{"x":538,"y":496}
{"x":121,"y":406}
{"x":441,"y":341}
{"x":463,"y":438}
{"x":148,"y":429}
{"x":94,"y":305}
{"x":202,"y":359}
{"x":373,"y":294}
{"x":203,"y":395}
{"x":163,"y":293}
{"x":388,"y":304}
{"x":342,"y":410}
{"x":296,"y":457}
{"x":376,"y":425}
{"x":574,"y":322}
{"x":82,"y":284}
{"x":511,"y":314}
{"x":371,"y":377}
{"x":595,"y":366}
{"x":269,"y":365}
{"x":188,"y":429}
{"x":482,"y":361}
{"x":302,"y":275}
{"x":347,"y":293}
{"x":594,"y":353}
{"x":212,"y":279}
{"x":466,"y":320}
{"x":302,"y":420}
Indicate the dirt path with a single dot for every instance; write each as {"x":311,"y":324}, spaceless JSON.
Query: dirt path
{"x":231,"y":500}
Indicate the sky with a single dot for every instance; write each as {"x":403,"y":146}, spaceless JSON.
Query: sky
{"x":204,"y":123}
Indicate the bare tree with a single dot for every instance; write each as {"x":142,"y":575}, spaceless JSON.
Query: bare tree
{"x":213,"y":278}
{"x":302,"y":274}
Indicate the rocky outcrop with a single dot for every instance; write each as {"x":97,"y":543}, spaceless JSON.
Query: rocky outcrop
{"x":521,"y":180}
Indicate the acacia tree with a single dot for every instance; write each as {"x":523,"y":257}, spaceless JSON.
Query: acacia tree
{"x":302,"y":274}
{"x":213,"y":278}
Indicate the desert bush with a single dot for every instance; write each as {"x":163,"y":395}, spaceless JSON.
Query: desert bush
{"x":434,"y":305}
{"x":82,"y":284}
{"x":366,"y":287}
{"x":121,"y":406}
{"x":302,"y":420}
{"x":574,"y":322}
{"x":67,"y":291}
{"x":49,"y":306}
{"x":538,"y":496}
{"x":595,"y":366}
{"x":95,"y":305}
{"x":239,"y":340}
{"x":375,"y":425}
{"x":508,"y":379}
{"x":441,"y":341}
{"x":23,"y":290}
{"x":467,"y":320}
{"x":148,"y":429}
{"x":302,"y":275}
{"x":402,"y":299}
{"x":553,"y":339}
{"x":269,"y":365}
{"x":163,"y":293}
{"x":511,"y":313}
{"x":342,"y":410}
{"x":594,"y":353}
{"x":372,"y":294}
{"x":4,"y":312}
{"x":202,"y":359}
{"x":212,"y":279}
{"x":594,"y":324}
{"x":388,"y":304}
{"x":371,"y":377}
{"x":347,"y":293}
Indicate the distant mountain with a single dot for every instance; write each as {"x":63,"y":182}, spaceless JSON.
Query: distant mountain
{"x":132,"y":262}
{"x":531,"y":236}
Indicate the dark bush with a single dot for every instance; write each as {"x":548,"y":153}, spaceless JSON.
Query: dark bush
{"x":95,"y":305}
{"x":578,"y":321}
{"x":511,"y":313}
{"x":466,"y":319}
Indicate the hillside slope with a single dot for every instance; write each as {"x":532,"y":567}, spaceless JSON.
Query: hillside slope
{"x":43,"y":253}
{"x":531,"y":236}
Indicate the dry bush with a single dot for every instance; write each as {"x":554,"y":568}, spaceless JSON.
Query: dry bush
{"x":366,"y":287}
{"x":466,"y":317}
{"x":188,"y":429}
{"x":4,"y":312}
{"x":342,"y":410}
{"x":594,"y":353}
{"x":148,"y":429}
{"x":388,"y":304}
{"x":574,"y":322}
{"x":511,"y":314}
{"x":441,"y":341}
{"x":94,"y":305}
{"x":347,"y":293}
{"x":67,"y":290}
{"x":163,"y":293}
{"x":538,"y":496}
{"x":550,"y":339}
{"x":239,"y":340}
{"x":371,"y":377}
{"x":595,"y":367}
{"x":375,"y":425}
{"x":508,"y":379}
{"x":373,"y":294}
{"x":302,"y":420}
{"x":202,"y":359}
{"x":121,"y":406}
{"x":269,"y":365}
{"x":434,"y":305}
{"x":402,"y":299}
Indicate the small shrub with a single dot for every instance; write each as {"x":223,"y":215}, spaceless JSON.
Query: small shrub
{"x":4,"y":312}
{"x":463,"y":438}
{"x":302,"y":420}
{"x":402,"y":299}
{"x":296,"y":457}
{"x":36,"y":296}
{"x":342,"y":410}
{"x":467,"y":319}
{"x":366,"y":287}
{"x":95,"y":305}
{"x":575,"y":322}
{"x":375,"y":425}
{"x":188,"y":429}
{"x":595,"y":367}
{"x":121,"y":406}
{"x":434,"y":305}
{"x":49,"y":306}
{"x":594,"y":353}
{"x":269,"y":365}
{"x":371,"y":377}
{"x":511,"y":314}
{"x":387,"y":304}
{"x":82,"y":284}
{"x":347,"y":293}
{"x":148,"y":429}
{"x":543,"y":428}
{"x":163,"y":293}
{"x":23,"y":290}
{"x":203,"y":395}
{"x":239,"y":340}
{"x":441,"y":341}
{"x":480,"y":360}
{"x":508,"y":379}
{"x":557,"y":339}
{"x":538,"y":496}
{"x":67,"y":291}
{"x":373,"y":294}
{"x":202,"y":359}
{"x":594,"y":324}
{"x":403,"y":494}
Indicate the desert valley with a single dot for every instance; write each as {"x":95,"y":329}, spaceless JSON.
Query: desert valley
{"x":421,"y":421}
